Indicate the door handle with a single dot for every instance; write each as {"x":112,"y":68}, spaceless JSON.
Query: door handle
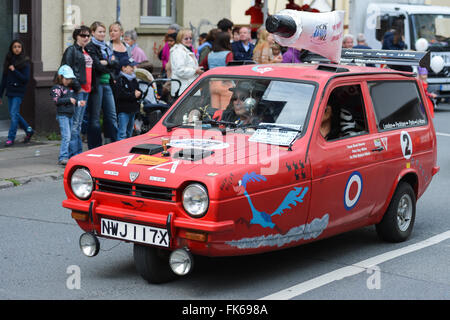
{"x":379,"y":149}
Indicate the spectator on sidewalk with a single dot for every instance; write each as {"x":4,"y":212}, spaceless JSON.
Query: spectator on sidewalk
{"x":277,"y":56}
{"x":235,"y":33}
{"x":102,"y":95}
{"x":256,"y":17}
{"x":15,"y":77}
{"x":183,"y":61}
{"x":130,"y":37}
{"x":262,"y":54}
{"x":127,"y":95}
{"x":81,"y":63}
{"x":202,"y":43}
{"x":219,"y":57}
{"x":348,"y":41}
{"x":226,"y":25}
{"x":171,"y":40}
{"x":65,"y":100}
{"x":210,"y":38}
{"x":292,"y":55}
{"x":121,"y":49}
{"x":164,"y":54}
{"x":221,"y":53}
{"x":243,"y":49}
{"x":423,"y":77}
{"x":361,"y":42}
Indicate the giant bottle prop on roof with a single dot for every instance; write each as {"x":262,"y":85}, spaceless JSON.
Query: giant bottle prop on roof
{"x":320,"y":33}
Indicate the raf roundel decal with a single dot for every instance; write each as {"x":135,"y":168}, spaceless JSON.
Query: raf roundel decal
{"x":354,"y":183}
{"x":406,"y":143}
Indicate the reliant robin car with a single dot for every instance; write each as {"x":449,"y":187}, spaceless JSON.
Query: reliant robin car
{"x":257,"y":158}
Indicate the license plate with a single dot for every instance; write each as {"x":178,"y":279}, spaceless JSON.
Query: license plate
{"x":135,"y":232}
{"x":445,"y":87}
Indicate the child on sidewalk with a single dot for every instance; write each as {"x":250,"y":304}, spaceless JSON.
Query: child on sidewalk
{"x":127,"y":96}
{"x":65,"y":100}
{"x":14,"y":80}
{"x":423,"y":77}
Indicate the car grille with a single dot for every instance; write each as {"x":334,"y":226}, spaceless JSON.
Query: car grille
{"x":133,"y":190}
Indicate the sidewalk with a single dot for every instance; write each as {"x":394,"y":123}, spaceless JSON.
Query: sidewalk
{"x":25,"y":163}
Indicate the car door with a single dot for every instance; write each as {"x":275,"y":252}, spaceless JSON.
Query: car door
{"x":346,"y":178}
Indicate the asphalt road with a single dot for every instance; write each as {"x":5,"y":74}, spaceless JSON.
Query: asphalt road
{"x":39,"y":256}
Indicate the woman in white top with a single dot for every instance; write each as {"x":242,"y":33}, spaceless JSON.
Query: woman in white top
{"x":184,"y":64}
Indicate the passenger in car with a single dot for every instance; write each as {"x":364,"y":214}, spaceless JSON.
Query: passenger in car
{"x":329,"y":128}
{"x":349,"y":126}
{"x":338,"y":123}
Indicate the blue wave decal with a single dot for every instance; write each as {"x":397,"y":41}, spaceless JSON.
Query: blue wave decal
{"x":264,"y":219}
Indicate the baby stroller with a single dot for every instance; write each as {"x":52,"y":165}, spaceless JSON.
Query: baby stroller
{"x":153,"y":106}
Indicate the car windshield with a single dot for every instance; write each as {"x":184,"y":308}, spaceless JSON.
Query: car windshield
{"x":433,"y":27}
{"x":240,"y":103}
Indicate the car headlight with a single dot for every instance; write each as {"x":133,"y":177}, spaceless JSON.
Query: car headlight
{"x":82,"y":184}
{"x":195,"y":200}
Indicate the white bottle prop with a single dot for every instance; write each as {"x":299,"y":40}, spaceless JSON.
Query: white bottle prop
{"x":320,"y":33}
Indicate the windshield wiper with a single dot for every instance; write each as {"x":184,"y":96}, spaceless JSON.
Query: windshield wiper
{"x":209,"y":121}
{"x":170,"y":128}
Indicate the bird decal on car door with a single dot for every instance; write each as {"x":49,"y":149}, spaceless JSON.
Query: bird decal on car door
{"x":262,"y":218}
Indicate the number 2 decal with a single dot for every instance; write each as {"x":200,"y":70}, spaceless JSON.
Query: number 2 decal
{"x":406,"y":143}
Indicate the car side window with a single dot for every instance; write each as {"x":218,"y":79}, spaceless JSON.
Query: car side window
{"x":344,"y":115}
{"x":397,"y":105}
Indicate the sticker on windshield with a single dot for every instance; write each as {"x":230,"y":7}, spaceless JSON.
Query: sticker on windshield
{"x":276,"y":135}
{"x":202,"y":144}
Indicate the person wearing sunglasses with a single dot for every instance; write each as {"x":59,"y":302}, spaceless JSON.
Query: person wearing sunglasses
{"x":183,"y":61}
{"x":81,"y":63}
{"x":242,"y":109}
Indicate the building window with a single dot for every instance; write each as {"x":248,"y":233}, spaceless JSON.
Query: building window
{"x":158,"y":11}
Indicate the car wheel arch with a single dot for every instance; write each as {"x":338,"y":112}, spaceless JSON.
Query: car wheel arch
{"x":408,"y":176}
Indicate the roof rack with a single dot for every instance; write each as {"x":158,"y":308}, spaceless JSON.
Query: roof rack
{"x":369,"y":56}
{"x":392,"y":57}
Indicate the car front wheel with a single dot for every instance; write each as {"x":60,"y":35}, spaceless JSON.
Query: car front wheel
{"x":398,"y":221}
{"x":153,"y":264}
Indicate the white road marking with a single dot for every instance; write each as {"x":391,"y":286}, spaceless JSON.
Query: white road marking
{"x":443,"y":134}
{"x":354,"y":269}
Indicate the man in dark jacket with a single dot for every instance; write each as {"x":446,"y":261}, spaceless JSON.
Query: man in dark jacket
{"x":243,"y":49}
{"x":127,"y":94}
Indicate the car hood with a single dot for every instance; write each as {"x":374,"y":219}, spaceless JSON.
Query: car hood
{"x":203,"y":159}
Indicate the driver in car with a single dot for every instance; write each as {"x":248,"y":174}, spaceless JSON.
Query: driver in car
{"x":242,"y":109}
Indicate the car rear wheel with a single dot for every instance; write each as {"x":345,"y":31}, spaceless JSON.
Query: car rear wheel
{"x":398,"y":221}
{"x":153,"y":264}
